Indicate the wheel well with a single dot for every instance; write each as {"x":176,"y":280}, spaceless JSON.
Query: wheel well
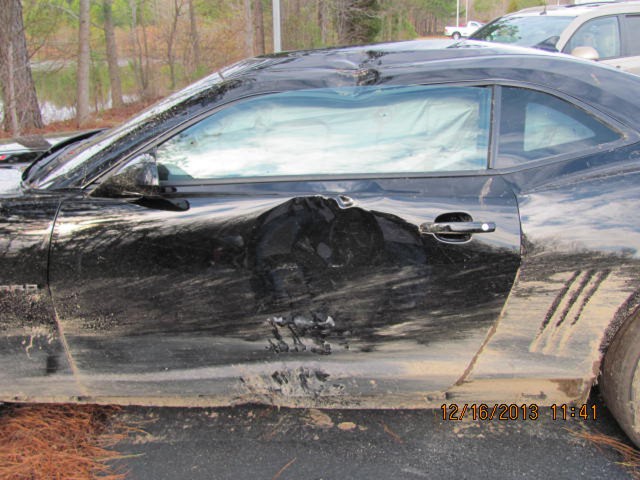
{"x":629,"y":310}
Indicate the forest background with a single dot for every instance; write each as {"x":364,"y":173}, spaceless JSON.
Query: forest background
{"x":67,"y":64}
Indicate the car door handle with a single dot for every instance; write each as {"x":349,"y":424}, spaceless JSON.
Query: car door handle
{"x":344,"y":201}
{"x":461,"y":228}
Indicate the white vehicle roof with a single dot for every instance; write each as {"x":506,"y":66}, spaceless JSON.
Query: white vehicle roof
{"x":597,"y":9}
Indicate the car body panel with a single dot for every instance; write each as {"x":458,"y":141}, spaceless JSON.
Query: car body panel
{"x":579,"y":280}
{"x":251,"y":285}
{"x":220,"y":291}
{"x":31,"y":345}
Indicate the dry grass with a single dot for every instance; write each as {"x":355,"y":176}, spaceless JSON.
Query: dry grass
{"x":630,"y":456}
{"x":56,"y":442}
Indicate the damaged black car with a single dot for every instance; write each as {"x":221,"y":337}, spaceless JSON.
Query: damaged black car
{"x":396,"y":225}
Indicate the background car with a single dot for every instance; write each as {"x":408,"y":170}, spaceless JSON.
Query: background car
{"x":458,"y":31}
{"x":395,"y":225}
{"x":21,"y":151}
{"x":607,"y":32}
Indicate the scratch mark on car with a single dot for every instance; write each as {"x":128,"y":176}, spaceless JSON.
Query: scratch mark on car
{"x":601,"y":277}
{"x":557,"y":301}
{"x":570,"y":302}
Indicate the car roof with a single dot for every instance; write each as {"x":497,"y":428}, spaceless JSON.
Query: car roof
{"x":614,"y":92}
{"x":382,"y":55}
{"x":598,"y":8}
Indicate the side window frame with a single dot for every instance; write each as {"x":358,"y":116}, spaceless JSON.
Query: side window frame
{"x":621,"y":40}
{"x":152,"y":146}
{"x":626,"y":33}
{"x":627,"y":135}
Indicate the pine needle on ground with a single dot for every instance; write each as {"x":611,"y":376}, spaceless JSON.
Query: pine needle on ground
{"x":630,"y":456}
{"x":59,"y":442}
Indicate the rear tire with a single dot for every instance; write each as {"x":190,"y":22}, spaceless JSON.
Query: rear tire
{"x":456,"y":35}
{"x":621,"y":379}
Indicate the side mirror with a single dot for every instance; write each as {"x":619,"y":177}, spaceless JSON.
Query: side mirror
{"x":588,"y":53}
{"x":549,"y":44}
{"x":138,"y":178}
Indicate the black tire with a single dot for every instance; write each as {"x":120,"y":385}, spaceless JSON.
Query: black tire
{"x":456,"y":35}
{"x":620,"y":381}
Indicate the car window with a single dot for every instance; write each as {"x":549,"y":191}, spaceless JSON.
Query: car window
{"x":368,"y":129}
{"x":527,"y":31}
{"x":602,"y":34}
{"x":632,"y":24}
{"x":535,"y":125}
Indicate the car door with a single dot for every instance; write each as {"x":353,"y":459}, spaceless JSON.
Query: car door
{"x":319,"y":246}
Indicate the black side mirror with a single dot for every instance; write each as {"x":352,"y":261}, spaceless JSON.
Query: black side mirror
{"x":549,"y":44}
{"x":138,"y":178}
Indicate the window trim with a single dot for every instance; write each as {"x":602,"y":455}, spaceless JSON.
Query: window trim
{"x":186,"y":125}
{"x":628,"y":137}
{"x":626,"y":34}
{"x":153,"y":143}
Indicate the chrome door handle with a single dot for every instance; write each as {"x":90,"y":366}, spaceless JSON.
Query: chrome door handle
{"x":460,"y":228}
{"x":344,"y":201}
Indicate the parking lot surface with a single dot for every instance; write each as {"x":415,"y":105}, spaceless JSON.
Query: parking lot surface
{"x":258,"y":442}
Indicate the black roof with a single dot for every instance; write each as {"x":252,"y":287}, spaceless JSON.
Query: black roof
{"x":614,"y":92}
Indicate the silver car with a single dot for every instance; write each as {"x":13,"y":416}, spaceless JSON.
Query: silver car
{"x":606,"y":32}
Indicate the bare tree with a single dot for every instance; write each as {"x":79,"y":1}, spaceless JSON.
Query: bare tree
{"x":258,"y":27}
{"x":140,"y":50}
{"x":112,"y":55}
{"x":248,"y":28}
{"x":21,"y":109}
{"x":170,"y":36}
{"x":323,"y":20}
{"x":84,"y":61}
{"x":194,"y":38}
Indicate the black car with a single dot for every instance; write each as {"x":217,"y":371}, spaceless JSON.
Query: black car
{"x":399,"y":225}
{"x":21,"y":151}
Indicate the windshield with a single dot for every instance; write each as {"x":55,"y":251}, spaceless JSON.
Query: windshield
{"x":526,"y":31}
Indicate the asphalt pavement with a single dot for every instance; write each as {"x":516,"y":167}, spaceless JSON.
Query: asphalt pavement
{"x":259,"y":442}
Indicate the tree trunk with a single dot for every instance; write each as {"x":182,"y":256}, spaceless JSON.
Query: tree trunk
{"x":248,"y":28}
{"x":133,"y":32}
{"x":323,"y":21}
{"x":82,"y":100}
{"x":171,"y":39}
{"x":112,"y":56}
{"x":195,"y":39}
{"x":21,"y":111}
{"x":146,"y":69}
{"x":258,"y":26}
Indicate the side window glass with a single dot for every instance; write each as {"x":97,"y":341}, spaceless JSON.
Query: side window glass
{"x":535,"y":125}
{"x":368,"y":129}
{"x":602,"y":34}
{"x":632,"y":24}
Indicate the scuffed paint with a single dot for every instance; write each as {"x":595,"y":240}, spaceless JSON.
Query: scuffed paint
{"x":300,"y":382}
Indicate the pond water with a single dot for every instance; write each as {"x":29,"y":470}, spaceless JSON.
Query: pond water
{"x":56,"y":89}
